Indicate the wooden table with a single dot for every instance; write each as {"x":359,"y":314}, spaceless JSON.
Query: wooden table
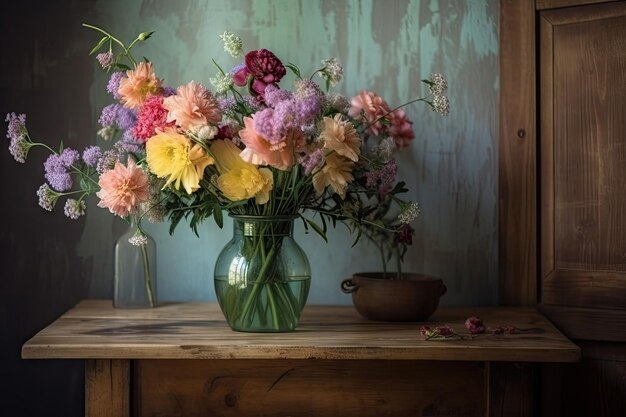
{"x":183,"y":360}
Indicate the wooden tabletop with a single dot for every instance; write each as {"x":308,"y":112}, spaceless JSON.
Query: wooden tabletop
{"x":95,"y":330}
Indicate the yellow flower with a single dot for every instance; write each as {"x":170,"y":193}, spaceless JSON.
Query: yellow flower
{"x":173,"y":156}
{"x":340,"y":136}
{"x":336,"y":172}
{"x":240,"y":180}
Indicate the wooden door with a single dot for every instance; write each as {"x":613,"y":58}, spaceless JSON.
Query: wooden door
{"x":563,"y":189}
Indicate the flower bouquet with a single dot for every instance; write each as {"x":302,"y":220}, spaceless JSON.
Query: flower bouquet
{"x":264,"y":154}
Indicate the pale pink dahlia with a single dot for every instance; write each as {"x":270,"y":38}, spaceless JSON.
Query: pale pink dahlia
{"x":192,"y":106}
{"x":123,"y":188}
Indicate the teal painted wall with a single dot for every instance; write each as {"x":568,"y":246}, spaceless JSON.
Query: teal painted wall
{"x":385,"y":46}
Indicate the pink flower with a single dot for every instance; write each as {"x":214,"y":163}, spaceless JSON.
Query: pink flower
{"x":264,"y":67}
{"x":444,"y":330}
{"x":192,"y":106}
{"x":152,"y":116}
{"x":260,"y":151}
{"x":401,"y":129}
{"x":123,"y":188}
{"x":475,"y":325}
{"x":372,"y":109}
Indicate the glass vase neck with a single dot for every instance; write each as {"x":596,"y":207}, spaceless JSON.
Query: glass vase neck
{"x":263,"y":225}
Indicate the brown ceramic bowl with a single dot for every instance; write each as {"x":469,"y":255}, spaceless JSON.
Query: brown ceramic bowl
{"x":413,"y":298}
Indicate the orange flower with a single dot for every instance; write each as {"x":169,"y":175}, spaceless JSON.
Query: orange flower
{"x":260,"y":151}
{"x":340,"y":136}
{"x":137,"y":85}
{"x":192,"y":106}
{"x":336,"y":172}
{"x":123,"y":188}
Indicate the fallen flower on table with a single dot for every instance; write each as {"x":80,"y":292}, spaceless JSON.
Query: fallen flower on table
{"x":474,"y":325}
{"x":439,"y":332}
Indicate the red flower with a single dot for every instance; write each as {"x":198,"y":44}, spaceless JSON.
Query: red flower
{"x":404,"y":234}
{"x":152,"y":116}
{"x":444,"y":330}
{"x":264,"y":67}
{"x":475,"y":325}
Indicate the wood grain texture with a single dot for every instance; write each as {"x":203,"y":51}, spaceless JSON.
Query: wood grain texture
{"x":583,"y":152}
{"x":554,"y":4}
{"x":94,"y":329}
{"x":511,"y":389}
{"x":107,"y":388}
{"x":599,"y":289}
{"x":309,"y":388}
{"x":588,"y":323}
{"x":517,"y":166}
{"x":593,"y":387}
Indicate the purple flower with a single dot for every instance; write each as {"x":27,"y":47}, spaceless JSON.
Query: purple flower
{"x":16,"y":131}
{"x":108,"y":117}
{"x":312,"y":161}
{"x":17,"y":126}
{"x":382,"y":178}
{"x":130,"y":144}
{"x":227,"y":104}
{"x":91,"y":155}
{"x":114,"y":84}
{"x":307,"y":110}
{"x":126,"y":118}
{"x":274,"y":95}
{"x":169,"y":91}
{"x":108,"y":160}
{"x":69,"y":157}
{"x":105,"y":59}
{"x":58,"y":167}
{"x":264,"y":123}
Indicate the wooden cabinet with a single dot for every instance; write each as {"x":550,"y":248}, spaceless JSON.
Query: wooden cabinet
{"x":183,"y":360}
{"x":564,"y":84}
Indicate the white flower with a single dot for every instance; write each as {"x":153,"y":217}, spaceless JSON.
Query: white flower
{"x":409,"y":213}
{"x":107,"y":133}
{"x":437,"y":84}
{"x":138,"y":239}
{"x":232,"y":44}
{"x":222,"y":83}
{"x":332,"y":71}
{"x":441,"y":105}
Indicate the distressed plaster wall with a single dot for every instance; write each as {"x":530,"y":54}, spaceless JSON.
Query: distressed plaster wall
{"x":51,"y":262}
{"x":386,"y":47}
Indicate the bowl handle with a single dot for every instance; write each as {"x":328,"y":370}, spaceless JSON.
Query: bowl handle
{"x":444,"y":289}
{"x":347,"y":286}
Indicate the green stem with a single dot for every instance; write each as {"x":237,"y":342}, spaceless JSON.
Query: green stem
{"x":146,"y":275}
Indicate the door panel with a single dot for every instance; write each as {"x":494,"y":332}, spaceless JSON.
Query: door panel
{"x":583,"y":162}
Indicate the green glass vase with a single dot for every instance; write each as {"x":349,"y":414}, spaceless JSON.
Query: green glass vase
{"x":262,"y":277}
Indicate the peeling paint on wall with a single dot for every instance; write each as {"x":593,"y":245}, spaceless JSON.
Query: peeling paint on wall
{"x":384,"y":46}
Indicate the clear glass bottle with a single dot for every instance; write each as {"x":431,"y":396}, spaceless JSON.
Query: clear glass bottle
{"x":134,"y":279}
{"x":262,"y":276}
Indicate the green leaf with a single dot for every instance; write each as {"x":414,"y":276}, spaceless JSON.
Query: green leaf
{"x":175,"y":218}
{"x":294,"y":69}
{"x":218,"y":216}
{"x":99,"y":44}
{"x":121,"y":66}
{"x":358,"y":236}
{"x":318,"y":229}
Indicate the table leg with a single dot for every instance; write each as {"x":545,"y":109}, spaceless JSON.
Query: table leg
{"x":107,"y":388}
